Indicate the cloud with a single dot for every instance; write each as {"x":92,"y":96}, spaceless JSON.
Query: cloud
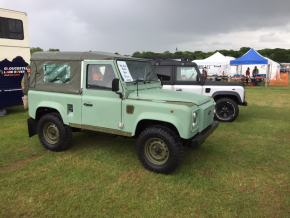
{"x":270,"y":37}
{"x":216,"y":43}
{"x":126,"y":26}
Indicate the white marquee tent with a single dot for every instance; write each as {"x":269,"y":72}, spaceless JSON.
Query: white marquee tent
{"x":220,"y":61}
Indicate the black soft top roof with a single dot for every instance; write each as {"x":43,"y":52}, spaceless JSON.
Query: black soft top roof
{"x":74,"y":56}
{"x":172,"y":63}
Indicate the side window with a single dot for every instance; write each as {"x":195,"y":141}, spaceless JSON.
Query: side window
{"x":163,"y":72}
{"x":100,"y":76}
{"x":56,"y":73}
{"x":15,"y":29}
{"x":11,"y":28}
{"x":186,"y":74}
{"x":0,"y":29}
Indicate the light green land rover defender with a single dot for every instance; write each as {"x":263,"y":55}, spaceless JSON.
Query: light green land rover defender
{"x":119,"y":95}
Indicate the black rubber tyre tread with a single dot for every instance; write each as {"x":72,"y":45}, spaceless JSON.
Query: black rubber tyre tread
{"x":174,"y":145}
{"x":173,"y":133}
{"x":65,"y":132}
{"x":3,"y":112}
{"x":229,"y":101}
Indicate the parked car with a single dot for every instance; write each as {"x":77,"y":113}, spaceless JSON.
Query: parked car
{"x":181,"y":75}
{"x":118,"y":95}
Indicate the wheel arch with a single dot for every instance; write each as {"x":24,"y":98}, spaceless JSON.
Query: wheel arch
{"x":145,"y":123}
{"x":42,"y":109}
{"x":227,"y":94}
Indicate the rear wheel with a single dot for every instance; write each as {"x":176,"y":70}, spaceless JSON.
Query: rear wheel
{"x":53,"y":134}
{"x":159,"y":151}
{"x":227,"y":110}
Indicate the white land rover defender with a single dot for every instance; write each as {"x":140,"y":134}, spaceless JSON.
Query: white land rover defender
{"x":181,"y":75}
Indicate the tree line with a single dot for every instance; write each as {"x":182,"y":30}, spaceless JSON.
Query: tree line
{"x":277,"y":54}
{"x":34,"y":49}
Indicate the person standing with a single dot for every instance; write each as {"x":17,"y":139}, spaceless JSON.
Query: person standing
{"x":204,"y":73}
{"x":255,"y":72}
{"x":248,"y":73}
{"x":25,"y":86}
{"x":247,"y":76}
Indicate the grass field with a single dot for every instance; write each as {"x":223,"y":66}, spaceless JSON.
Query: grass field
{"x":242,"y":170}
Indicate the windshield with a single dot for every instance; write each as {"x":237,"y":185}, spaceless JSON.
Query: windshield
{"x":137,"y":70}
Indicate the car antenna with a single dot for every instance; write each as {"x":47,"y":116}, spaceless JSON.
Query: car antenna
{"x":137,"y":88}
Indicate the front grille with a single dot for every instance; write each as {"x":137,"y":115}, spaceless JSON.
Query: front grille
{"x":208,"y":115}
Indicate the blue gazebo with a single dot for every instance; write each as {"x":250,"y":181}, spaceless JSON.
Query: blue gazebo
{"x":252,"y":57}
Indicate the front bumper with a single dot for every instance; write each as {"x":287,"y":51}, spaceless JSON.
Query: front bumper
{"x":244,"y":103}
{"x":201,"y":137}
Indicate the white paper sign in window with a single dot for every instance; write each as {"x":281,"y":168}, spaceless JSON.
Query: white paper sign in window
{"x":124,"y":71}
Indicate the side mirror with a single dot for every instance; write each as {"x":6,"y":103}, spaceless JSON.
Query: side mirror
{"x":115,"y":85}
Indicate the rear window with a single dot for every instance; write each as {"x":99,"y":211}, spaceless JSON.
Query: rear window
{"x":163,"y":72}
{"x":56,"y":73}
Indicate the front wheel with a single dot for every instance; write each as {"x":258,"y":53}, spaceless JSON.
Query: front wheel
{"x":227,"y":110}
{"x":159,"y":151}
{"x":53,"y":134}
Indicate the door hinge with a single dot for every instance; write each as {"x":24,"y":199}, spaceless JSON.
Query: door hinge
{"x":121,"y":125}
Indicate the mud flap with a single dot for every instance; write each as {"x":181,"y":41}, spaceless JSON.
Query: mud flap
{"x":32,"y":127}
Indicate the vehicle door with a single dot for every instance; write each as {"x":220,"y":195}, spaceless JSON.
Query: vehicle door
{"x":166,"y":73}
{"x":187,"y":79}
{"x":101,"y":107}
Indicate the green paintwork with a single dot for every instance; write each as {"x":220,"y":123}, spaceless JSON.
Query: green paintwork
{"x":105,"y":111}
{"x":169,"y":95}
{"x":58,"y":101}
{"x":187,"y":104}
{"x":156,"y":151}
{"x":181,"y":117}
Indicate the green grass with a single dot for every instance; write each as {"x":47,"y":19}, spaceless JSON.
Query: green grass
{"x":242,"y":170}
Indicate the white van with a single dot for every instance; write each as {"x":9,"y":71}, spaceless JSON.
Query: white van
{"x":14,"y":57}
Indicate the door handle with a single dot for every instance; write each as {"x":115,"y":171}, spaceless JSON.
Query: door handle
{"x":88,"y":104}
{"x":178,"y":89}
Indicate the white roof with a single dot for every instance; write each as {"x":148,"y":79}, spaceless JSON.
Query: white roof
{"x":215,"y":59}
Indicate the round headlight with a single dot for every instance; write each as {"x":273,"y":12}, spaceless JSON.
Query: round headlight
{"x":194,"y":117}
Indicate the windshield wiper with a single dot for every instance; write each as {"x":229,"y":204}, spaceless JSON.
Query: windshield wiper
{"x":147,"y":76}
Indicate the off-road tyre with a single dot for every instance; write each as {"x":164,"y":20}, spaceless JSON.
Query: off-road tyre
{"x":165,"y":140}
{"x":172,"y":132}
{"x":3,"y":112}
{"x":53,"y":134}
{"x":226,"y":110}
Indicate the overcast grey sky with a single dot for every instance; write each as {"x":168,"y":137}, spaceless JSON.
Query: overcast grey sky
{"x":126,"y":26}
